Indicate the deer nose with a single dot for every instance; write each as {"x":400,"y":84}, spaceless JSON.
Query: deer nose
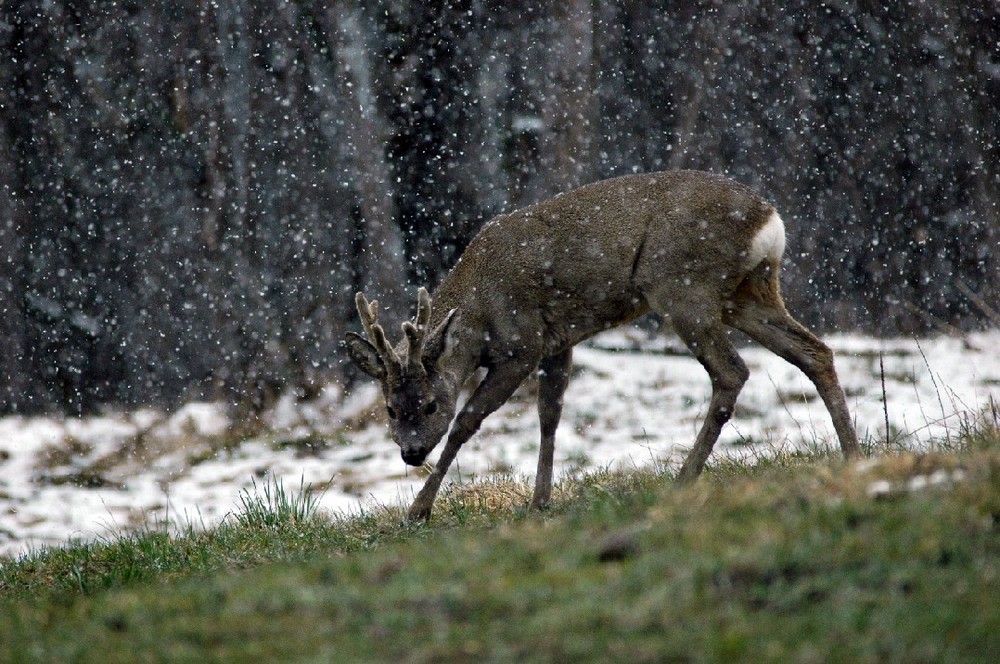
{"x":414,"y":456}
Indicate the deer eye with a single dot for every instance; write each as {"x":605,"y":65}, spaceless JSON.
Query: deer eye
{"x":392,"y":412}
{"x":431,"y":408}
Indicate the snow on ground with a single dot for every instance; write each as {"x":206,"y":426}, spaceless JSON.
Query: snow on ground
{"x":631,"y":401}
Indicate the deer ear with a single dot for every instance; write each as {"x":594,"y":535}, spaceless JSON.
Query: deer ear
{"x":442,"y":340}
{"x":365,"y":356}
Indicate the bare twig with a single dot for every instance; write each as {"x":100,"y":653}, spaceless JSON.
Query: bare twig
{"x":992,"y":314}
{"x":942,"y":326}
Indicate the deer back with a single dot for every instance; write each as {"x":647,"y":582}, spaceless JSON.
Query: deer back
{"x":582,"y":262}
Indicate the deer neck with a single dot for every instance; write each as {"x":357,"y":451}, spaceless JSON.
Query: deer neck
{"x":472,"y":339}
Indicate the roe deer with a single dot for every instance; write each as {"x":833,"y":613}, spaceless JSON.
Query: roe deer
{"x":699,"y":249}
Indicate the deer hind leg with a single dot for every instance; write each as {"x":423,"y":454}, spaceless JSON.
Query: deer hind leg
{"x":705,"y":335}
{"x":758,"y":311}
{"x":553,"y":377}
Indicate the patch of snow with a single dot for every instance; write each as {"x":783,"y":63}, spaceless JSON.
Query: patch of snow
{"x":940,"y":478}
{"x":629,"y":404}
{"x":880,"y":488}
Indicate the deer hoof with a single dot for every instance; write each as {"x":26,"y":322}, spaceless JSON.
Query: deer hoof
{"x":418,"y":513}
{"x":540,"y":504}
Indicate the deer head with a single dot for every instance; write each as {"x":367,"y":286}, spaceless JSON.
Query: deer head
{"x":420,"y":394}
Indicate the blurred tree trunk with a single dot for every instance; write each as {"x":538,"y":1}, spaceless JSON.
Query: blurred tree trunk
{"x":427,"y":95}
{"x":18,"y":383}
{"x":569,"y":107}
{"x":707,"y":51}
{"x":381,"y":266}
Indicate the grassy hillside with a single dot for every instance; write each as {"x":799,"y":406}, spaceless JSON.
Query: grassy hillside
{"x":895,"y":559}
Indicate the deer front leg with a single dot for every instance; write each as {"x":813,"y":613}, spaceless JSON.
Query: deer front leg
{"x":499,"y":383}
{"x":553,"y":377}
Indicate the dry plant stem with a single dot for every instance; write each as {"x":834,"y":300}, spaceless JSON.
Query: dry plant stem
{"x":885,"y":403}
{"x":937,"y":390}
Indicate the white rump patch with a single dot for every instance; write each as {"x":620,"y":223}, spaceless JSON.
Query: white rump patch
{"x":768,"y":244}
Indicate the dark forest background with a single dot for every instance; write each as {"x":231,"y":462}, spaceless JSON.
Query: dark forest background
{"x":191,"y":192}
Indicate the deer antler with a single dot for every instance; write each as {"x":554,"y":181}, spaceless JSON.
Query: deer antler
{"x":416,"y":332}
{"x":368,"y":312}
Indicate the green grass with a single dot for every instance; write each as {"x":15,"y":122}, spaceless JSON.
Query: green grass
{"x":798,"y":559}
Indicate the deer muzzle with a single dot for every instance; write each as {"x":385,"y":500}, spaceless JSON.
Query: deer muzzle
{"x":414,"y":456}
